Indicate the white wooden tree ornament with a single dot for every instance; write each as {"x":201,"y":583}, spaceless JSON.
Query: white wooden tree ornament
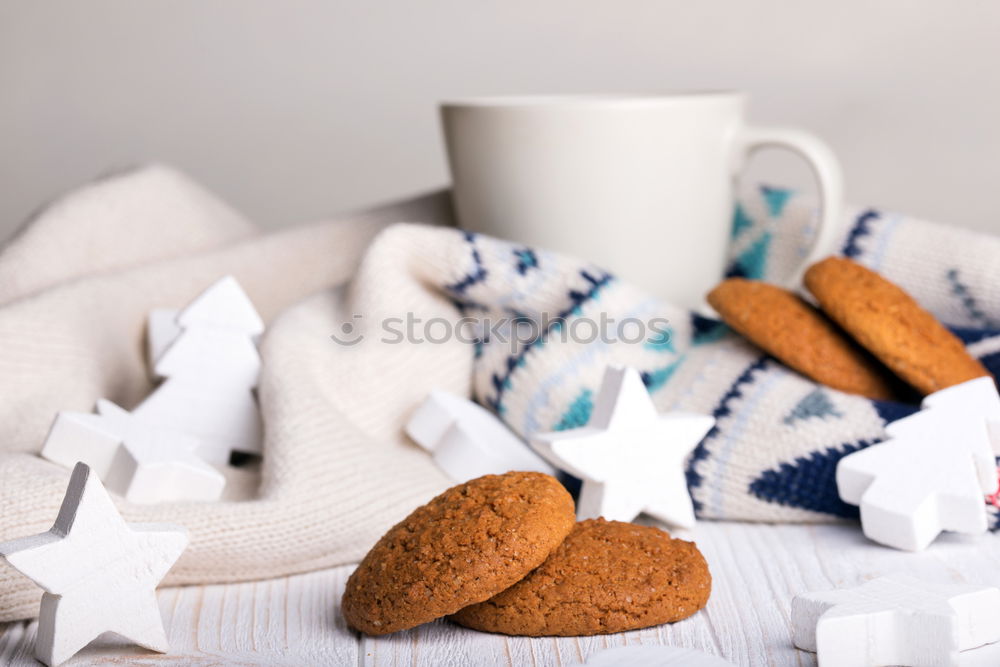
{"x":161,"y":330}
{"x":211,"y":368}
{"x":896,"y":620}
{"x":142,"y":463}
{"x":630,"y":458}
{"x":468,"y":441}
{"x":204,"y":410}
{"x":98,"y":572}
{"x":934,"y":471}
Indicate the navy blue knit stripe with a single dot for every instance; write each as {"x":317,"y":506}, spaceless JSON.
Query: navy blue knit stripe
{"x":501,"y":381}
{"x":969,"y":335}
{"x":809,"y":482}
{"x":969,"y":303}
{"x":736,"y":270}
{"x":474,"y":277}
{"x":706,"y":330}
{"x":890,"y":411}
{"x":722,"y":409}
{"x":992,"y":363}
{"x":862,"y":227}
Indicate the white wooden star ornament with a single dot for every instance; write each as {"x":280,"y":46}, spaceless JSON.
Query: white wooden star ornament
{"x":896,"y":620}
{"x":467,"y":440}
{"x":630,"y":458}
{"x":933,"y":472}
{"x":99,"y":573}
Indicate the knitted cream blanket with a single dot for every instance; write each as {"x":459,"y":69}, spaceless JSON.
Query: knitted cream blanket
{"x":78,"y":281}
{"x":76,"y":285}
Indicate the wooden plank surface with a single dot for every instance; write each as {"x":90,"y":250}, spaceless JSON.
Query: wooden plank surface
{"x":757,"y":569}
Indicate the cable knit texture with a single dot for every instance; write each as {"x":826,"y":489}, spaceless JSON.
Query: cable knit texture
{"x":77,"y":282}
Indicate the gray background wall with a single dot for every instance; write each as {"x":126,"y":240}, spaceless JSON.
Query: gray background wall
{"x":295,"y":109}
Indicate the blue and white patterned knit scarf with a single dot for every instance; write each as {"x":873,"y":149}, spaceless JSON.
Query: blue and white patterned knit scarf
{"x":778,"y":436}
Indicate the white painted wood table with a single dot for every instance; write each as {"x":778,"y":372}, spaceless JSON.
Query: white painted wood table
{"x":757,"y":569}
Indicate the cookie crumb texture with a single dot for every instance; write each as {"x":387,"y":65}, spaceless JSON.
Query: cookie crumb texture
{"x":891,"y":325}
{"x":607,"y":576}
{"x":469,"y":543}
{"x":785,"y":326}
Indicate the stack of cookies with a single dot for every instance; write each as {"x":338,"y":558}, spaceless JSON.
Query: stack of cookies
{"x":504,"y":553}
{"x":868,"y":337}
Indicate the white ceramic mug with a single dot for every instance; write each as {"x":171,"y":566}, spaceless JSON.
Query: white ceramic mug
{"x":640,"y":185}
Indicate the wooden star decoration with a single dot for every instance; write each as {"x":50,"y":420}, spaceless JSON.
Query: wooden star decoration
{"x":895,"y":620}
{"x":99,"y":573}
{"x":630,"y":458}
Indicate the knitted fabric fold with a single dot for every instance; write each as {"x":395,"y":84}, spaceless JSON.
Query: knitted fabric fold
{"x":84,"y":274}
{"x":418,"y":307}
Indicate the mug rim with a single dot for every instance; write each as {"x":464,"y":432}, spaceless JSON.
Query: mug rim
{"x":543,"y":100}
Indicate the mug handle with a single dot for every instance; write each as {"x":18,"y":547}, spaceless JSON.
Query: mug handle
{"x":825,"y":167}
